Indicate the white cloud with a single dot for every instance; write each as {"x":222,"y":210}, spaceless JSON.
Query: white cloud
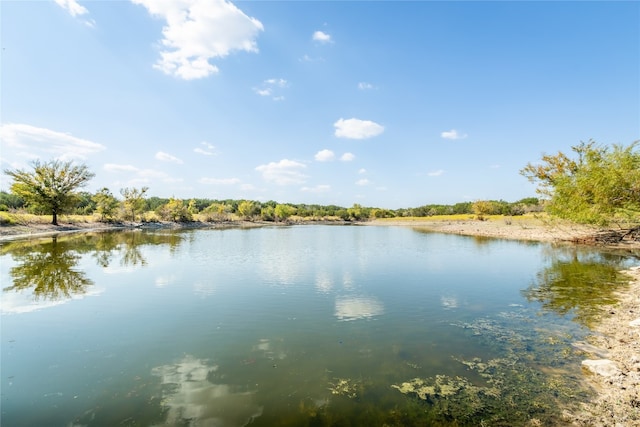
{"x":219,"y":181}
{"x":208,"y":150}
{"x":322,"y":188}
{"x":347,"y":157}
{"x":75,"y":9}
{"x":435,"y":173}
{"x":365,"y":86}
{"x":453,"y":134}
{"x":160,"y":155}
{"x":35,"y":141}
{"x":197,"y":31}
{"x":321,"y":37}
{"x":284,"y":172}
{"x":270,"y":87}
{"x":362,"y":171}
{"x":354,"y":308}
{"x":324,"y":155}
{"x":357,"y":129}
{"x":141,"y":176}
{"x":307,"y":58}
{"x":362,"y":182}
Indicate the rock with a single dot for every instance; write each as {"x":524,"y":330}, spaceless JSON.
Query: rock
{"x":635,"y":323}
{"x":603,"y":367}
{"x":588,"y":348}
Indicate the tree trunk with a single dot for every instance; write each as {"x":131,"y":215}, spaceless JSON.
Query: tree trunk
{"x":54,"y":221}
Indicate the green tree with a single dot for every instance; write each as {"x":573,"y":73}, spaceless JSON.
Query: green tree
{"x":599,"y":186}
{"x":50,"y":186}
{"x":11,"y":201}
{"x":175,"y":210}
{"x":134,"y":201}
{"x":246,"y":209}
{"x":267,"y":213}
{"x":482,"y":208}
{"x":283,"y":212}
{"x":216,"y":212}
{"x":106,"y":204}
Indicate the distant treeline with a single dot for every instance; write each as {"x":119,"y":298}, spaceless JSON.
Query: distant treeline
{"x":172,"y":209}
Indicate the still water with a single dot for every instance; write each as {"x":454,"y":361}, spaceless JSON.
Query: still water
{"x":294,"y":326}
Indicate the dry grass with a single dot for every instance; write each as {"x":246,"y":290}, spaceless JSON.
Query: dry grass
{"x":537,"y":218}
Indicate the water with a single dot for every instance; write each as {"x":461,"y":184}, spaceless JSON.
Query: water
{"x":308,"y":325}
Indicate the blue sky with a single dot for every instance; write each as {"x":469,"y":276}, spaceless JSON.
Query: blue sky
{"x":387,"y":104}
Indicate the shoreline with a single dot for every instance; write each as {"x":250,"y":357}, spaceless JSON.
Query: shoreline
{"x":611,"y":368}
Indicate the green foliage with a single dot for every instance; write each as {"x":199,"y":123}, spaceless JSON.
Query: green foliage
{"x":482,"y":208}
{"x":600,"y":186}
{"x":51,"y":186}
{"x":268,"y":213}
{"x":283,"y":212}
{"x":11,"y":201}
{"x":216,"y":212}
{"x":175,"y":210}
{"x":134,"y":201}
{"x":106,"y":204}
{"x":247,"y":209}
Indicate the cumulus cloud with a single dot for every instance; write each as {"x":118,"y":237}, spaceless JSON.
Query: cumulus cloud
{"x":31,"y":141}
{"x":321,"y":37}
{"x":208,"y":150}
{"x":197,"y":31}
{"x":162,"y":156}
{"x":272,"y":87}
{"x":219,"y":181}
{"x":357,"y":129}
{"x":75,"y":9}
{"x":362,"y":182}
{"x":362,"y":171}
{"x":284,"y":172}
{"x":453,"y":134}
{"x":347,"y":157}
{"x":324,"y":155}
{"x":322,"y":188}
{"x":435,"y":173}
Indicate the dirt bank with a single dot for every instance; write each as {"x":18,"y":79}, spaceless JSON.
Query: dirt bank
{"x":523,"y":228}
{"x":615,"y":372}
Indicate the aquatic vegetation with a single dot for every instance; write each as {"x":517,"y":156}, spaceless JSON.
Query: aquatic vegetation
{"x":534,"y":377}
{"x":345,"y":387}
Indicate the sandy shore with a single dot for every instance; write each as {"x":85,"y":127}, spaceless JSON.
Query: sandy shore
{"x":616,"y":340}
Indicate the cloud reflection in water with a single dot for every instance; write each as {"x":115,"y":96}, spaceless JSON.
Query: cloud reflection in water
{"x":354,"y":308}
{"x":191,"y":397}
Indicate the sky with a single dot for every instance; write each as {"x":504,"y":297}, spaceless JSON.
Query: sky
{"x":386,"y":104}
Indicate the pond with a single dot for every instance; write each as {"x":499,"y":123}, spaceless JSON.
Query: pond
{"x":295,"y":326}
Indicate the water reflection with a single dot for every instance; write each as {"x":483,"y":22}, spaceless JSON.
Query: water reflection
{"x":192,"y":398}
{"x":354,"y":308}
{"x":49,"y":268}
{"x":578,"y":282}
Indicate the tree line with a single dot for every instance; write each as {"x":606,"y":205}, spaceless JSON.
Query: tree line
{"x":598,"y":185}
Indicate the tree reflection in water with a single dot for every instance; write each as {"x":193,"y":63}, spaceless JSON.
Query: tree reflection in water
{"x":50,"y":267}
{"x":578,"y":282}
